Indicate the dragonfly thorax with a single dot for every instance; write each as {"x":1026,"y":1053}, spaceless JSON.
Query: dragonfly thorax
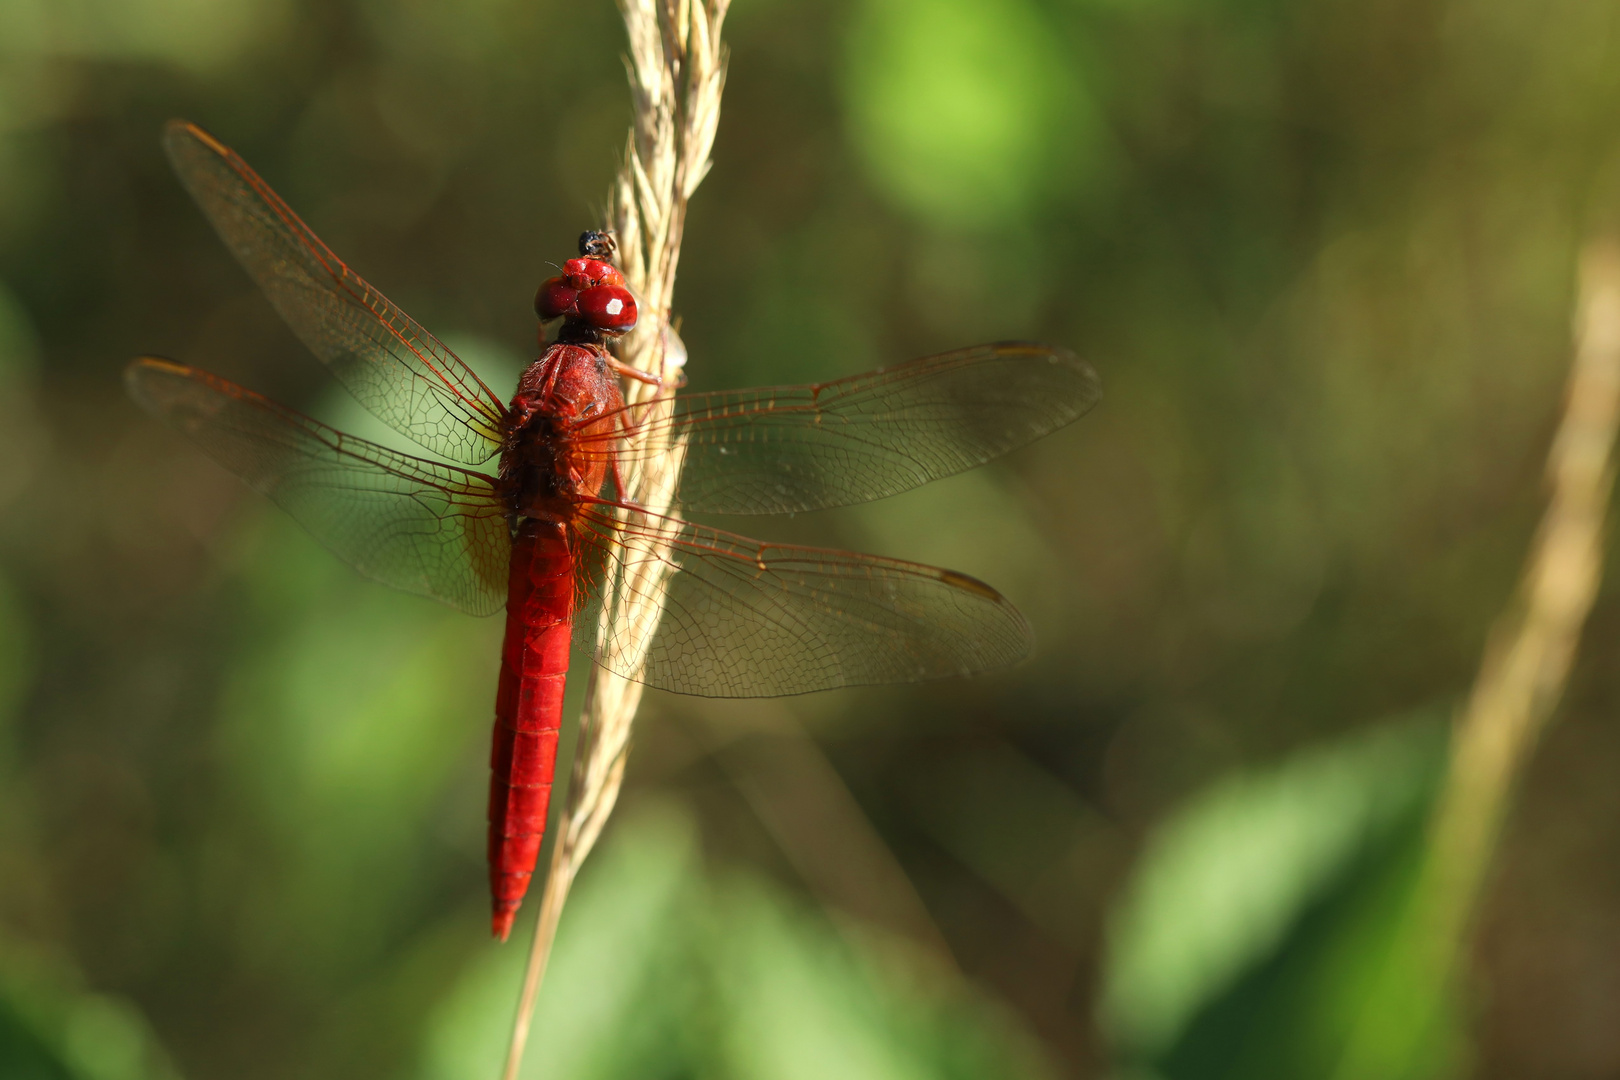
{"x":552,"y":457}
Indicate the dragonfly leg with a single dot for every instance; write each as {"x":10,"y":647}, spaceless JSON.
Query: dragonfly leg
{"x":624,"y":498}
{"x":635,"y":374}
{"x":630,"y":371}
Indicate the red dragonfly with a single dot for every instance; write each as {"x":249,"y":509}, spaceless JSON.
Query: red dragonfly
{"x":541,"y":533}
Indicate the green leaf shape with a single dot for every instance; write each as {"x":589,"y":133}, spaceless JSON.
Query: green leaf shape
{"x":608,"y":1001}
{"x":665,"y":968}
{"x":53,"y":1028}
{"x":1318,"y":848}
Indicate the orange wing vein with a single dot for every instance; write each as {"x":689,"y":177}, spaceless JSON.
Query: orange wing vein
{"x":794,"y":448}
{"x":743,"y":618}
{"x":398,"y":370}
{"x":414,"y":524}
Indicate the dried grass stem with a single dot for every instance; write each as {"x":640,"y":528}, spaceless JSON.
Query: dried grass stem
{"x":677,"y":70}
{"x":1522,"y":675}
{"x":1532,"y":646}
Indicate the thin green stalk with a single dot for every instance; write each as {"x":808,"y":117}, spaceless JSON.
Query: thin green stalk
{"x":1521,"y":678}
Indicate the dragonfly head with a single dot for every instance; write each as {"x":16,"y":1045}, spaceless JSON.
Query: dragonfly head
{"x":590,"y":293}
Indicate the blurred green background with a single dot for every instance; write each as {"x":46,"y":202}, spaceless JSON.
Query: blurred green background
{"x":1322,"y":252}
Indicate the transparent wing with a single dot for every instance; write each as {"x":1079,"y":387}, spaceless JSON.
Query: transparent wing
{"x":394,"y":367}
{"x":417,"y":525}
{"x":746,"y":619}
{"x":794,"y":448}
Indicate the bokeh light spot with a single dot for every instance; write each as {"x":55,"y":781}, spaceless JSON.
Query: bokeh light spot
{"x":958,"y":105}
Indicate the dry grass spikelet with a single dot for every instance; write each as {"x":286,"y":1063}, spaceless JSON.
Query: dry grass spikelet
{"x":677,"y":70}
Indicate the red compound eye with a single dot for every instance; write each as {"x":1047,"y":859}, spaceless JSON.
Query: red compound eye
{"x":583,"y":273}
{"x":608,"y":307}
{"x":555,"y":298}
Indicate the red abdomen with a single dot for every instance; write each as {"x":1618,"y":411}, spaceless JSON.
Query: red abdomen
{"x":528,"y":710}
